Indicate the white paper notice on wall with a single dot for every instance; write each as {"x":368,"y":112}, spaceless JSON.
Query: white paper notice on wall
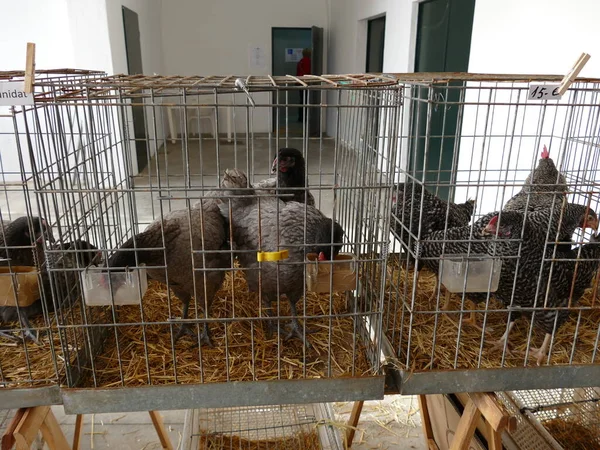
{"x":12,"y":93}
{"x":544,"y":92}
{"x":256,"y":57}
{"x":293,"y":54}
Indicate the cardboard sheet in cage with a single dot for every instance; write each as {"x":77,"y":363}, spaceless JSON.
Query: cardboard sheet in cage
{"x":22,"y":280}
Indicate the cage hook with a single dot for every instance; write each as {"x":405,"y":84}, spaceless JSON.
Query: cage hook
{"x":438,"y":97}
{"x":241,"y":85}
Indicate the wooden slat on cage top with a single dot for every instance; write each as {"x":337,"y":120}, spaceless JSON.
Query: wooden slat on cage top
{"x":71,"y":84}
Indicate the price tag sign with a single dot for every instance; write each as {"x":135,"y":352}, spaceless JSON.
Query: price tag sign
{"x":13,"y":93}
{"x":544,"y":92}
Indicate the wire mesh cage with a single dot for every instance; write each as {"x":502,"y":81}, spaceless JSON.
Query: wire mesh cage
{"x":494,"y":252}
{"x":555,"y":418}
{"x":183,"y":245}
{"x":30,"y":351}
{"x":273,"y":427}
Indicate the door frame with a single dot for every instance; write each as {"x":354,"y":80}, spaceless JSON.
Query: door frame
{"x":274,"y":93}
{"x":369,"y":20}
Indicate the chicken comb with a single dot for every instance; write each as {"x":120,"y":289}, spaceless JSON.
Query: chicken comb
{"x":493,"y":221}
{"x":545,"y":152}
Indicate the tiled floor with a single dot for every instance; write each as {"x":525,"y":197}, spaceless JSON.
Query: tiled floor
{"x":392,"y":423}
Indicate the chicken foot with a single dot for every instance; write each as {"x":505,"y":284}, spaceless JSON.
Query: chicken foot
{"x":499,"y":344}
{"x":295,"y":329}
{"x":541,"y":353}
{"x":186,"y":329}
{"x":9,"y":337}
{"x":27,"y":330}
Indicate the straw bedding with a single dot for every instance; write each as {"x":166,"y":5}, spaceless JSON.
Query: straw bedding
{"x":29,"y":364}
{"x":572,"y":435}
{"x":444,"y":350}
{"x":300,"y":441}
{"x":241,"y":349}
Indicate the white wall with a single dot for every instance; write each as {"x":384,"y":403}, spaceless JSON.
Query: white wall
{"x":211,"y":37}
{"x":348,"y":44}
{"x":83,"y":34}
{"x":46,"y":24}
{"x":535,"y":36}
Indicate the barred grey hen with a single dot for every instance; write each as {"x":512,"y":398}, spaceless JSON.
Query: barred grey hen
{"x":268,"y":224}
{"x":521,"y":247}
{"x":291,"y":173}
{"x":200,"y":228}
{"x":544,"y":186}
{"x":406,"y":209}
{"x":564,"y":280}
{"x":519,"y":276}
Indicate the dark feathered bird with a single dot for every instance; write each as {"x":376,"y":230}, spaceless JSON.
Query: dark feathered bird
{"x":544,"y":186}
{"x":21,"y":244}
{"x":290,"y":167}
{"x":529,"y":236}
{"x":280,"y":226}
{"x":21,"y":241}
{"x":406,"y":210}
{"x":63,"y":285}
{"x":200,"y":228}
{"x":564,"y":279}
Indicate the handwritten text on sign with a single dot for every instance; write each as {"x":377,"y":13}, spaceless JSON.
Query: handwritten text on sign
{"x":13,"y":93}
{"x":544,"y":92}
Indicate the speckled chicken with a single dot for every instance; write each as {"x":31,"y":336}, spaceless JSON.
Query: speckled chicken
{"x":77,"y":254}
{"x":542,"y":187}
{"x":406,"y":209}
{"x":200,"y":228}
{"x":291,"y":173}
{"x":569,"y":280}
{"x":22,"y":244}
{"x":519,"y":276}
{"x":280,"y":227}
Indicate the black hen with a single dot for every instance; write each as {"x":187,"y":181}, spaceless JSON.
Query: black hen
{"x":21,"y":244}
{"x":406,"y":210}
{"x":201,"y":228}
{"x":290,"y":167}
{"x":279,"y":226}
{"x":65,"y":281}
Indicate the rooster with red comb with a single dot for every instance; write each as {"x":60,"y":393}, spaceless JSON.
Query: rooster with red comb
{"x":544,"y":185}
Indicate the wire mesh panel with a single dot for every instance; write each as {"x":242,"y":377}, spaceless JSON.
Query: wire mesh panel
{"x":555,"y":418}
{"x":204,"y":267}
{"x":269,"y":427}
{"x":30,"y":349}
{"x":495,"y":255}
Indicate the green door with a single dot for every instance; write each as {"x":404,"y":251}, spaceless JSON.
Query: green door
{"x":443,"y":45}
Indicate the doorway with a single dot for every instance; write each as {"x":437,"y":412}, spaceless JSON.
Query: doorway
{"x":375,"y":44}
{"x":287,"y":45}
{"x":133,"y":49}
{"x":443,"y":44}
{"x":375,"y":47}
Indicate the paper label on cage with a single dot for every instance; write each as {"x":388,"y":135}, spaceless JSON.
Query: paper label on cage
{"x":544,"y":92}
{"x":12,"y":93}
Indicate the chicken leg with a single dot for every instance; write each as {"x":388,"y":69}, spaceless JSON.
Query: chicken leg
{"x":294,"y":328}
{"x":541,"y":353}
{"x":499,"y":344}
{"x":27,"y":330}
{"x":185,"y":328}
{"x":9,"y":337}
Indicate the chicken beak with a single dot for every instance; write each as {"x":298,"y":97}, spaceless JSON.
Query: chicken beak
{"x":274,"y":166}
{"x":592,"y":223}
